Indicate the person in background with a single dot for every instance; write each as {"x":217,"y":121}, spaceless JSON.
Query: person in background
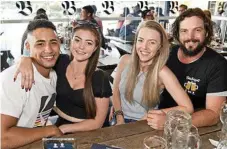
{"x":152,"y":9}
{"x":182,"y":8}
{"x":98,"y":20}
{"x":83,"y":91}
{"x":141,"y":77}
{"x":126,"y":31}
{"x":216,"y":28}
{"x":200,"y":70}
{"x":87,"y":13}
{"x":121,"y":22}
{"x":136,"y":11}
{"x":24,"y":112}
{"x":147,"y":15}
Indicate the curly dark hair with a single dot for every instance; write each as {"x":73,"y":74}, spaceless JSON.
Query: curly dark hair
{"x":194,"y":12}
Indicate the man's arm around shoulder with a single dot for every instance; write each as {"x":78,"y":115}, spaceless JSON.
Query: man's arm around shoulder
{"x":14,"y":137}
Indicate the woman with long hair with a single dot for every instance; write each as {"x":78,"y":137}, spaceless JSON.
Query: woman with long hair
{"x":141,"y":77}
{"x":83,"y":91}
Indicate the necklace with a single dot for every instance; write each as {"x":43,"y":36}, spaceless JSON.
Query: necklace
{"x":75,"y":75}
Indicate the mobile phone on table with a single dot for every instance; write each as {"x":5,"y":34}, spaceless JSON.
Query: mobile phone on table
{"x":59,"y":143}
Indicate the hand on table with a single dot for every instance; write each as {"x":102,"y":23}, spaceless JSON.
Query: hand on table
{"x":156,"y":119}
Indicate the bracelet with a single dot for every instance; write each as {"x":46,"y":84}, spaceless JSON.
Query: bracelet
{"x":118,"y":112}
{"x":26,"y":52}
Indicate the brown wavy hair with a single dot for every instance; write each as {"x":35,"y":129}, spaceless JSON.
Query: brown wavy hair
{"x":151,"y":88}
{"x":190,"y":13}
{"x":88,"y":95}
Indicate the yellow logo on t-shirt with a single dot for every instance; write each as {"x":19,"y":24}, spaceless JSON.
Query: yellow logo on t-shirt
{"x":191,"y":87}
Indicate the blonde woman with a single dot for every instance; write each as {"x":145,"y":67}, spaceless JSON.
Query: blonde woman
{"x":141,"y":77}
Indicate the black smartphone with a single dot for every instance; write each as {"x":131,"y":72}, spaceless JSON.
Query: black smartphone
{"x":59,"y":143}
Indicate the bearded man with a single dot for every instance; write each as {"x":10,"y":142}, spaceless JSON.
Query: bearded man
{"x":200,"y":70}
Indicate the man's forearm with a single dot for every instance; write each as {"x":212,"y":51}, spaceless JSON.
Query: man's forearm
{"x":204,"y":117}
{"x":17,"y":136}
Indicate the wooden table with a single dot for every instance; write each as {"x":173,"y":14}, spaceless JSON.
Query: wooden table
{"x":128,"y":136}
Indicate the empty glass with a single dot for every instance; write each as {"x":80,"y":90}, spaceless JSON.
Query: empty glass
{"x":175,"y":118}
{"x":184,"y":138}
{"x":154,"y":142}
{"x":223,"y":113}
{"x":222,"y":145}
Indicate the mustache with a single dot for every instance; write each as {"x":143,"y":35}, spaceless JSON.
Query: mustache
{"x":191,"y":40}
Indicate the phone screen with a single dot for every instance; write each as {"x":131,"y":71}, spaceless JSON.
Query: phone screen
{"x":57,"y":145}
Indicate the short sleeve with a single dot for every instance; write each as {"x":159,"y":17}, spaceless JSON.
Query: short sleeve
{"x":101,"y":84}
{"x":12,"y":97}
{"x":217,"y":80}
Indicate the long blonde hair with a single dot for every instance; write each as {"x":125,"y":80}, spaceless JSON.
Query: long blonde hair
{"x":151,"y":88}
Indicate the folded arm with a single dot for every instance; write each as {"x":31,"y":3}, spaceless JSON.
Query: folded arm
{"x":211,"y":115}
{"x":90,"y":124}
{"x":156,"y":118}
{"x":14,"y":137}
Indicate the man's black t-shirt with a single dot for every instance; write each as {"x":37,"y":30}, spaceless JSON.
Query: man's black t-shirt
{"x":205,"y":76}
{"x":70,"y":101}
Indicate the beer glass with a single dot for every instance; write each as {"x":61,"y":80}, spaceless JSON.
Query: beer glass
{"x":223,"y":113}
{"x":175,"y":118}
{"x":222,"y":145}
{"x":223,"y":133}
{"x":154,"y":142}
{"x":184,"y":138}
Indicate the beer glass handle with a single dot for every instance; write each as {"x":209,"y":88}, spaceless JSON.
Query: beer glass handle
{"x":194,"y":141}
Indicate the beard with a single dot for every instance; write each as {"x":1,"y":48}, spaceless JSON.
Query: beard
{"x":192,"y":52}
